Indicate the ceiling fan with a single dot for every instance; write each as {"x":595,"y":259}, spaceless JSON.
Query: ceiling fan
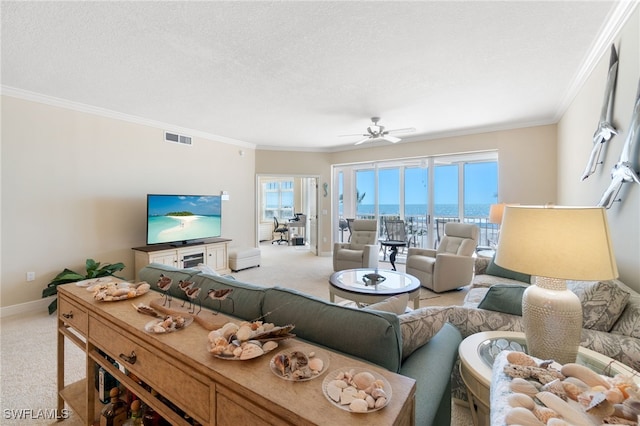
{"x":376,"y":131}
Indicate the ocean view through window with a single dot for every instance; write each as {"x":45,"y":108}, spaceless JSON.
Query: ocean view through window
{"x":419,"y":191}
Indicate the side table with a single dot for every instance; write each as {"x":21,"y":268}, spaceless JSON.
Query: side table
{"x":477,"y":353}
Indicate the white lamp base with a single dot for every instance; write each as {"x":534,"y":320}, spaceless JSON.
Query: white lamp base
{"x":552,"y":318}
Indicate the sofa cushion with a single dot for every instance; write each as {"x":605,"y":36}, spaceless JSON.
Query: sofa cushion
{"x":602,"y":302}
{"x":499,"y":271}
{"x":370,"y":335}
{"x":504,"y":298}
{"x":394,"y":304}
{"x":420,"y":325}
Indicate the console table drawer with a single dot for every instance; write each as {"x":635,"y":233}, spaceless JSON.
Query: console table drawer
{"x":176,"y":384}
{"x":73,"y":315}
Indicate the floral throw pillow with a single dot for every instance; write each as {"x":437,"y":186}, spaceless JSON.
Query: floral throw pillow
{"x":602,"y":302}
{"x":420,"y":325}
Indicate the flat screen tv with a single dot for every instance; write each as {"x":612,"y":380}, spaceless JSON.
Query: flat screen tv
{"x":183,"y":219}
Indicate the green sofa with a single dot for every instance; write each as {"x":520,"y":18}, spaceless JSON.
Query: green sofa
{"x":372,"y":336}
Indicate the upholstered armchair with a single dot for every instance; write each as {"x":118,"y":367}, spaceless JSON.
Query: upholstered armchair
{"x":450,"y":265}
{"x":362,"y":249}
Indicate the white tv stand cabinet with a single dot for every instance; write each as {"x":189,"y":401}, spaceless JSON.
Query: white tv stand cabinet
{"x":213,"y":253}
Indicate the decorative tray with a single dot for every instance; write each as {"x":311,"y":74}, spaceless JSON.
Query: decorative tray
{"x":341,"y":388}
{"x":114,"y":291}
{"x":298,"y":364}
{"x":373,"y":279}
{"x":247,"y":340}
{"x":168,"y":325}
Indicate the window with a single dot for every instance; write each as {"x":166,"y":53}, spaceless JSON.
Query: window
{"x":277,"y":199}
{"x":459,"y":187}
{"x":365,"y":194}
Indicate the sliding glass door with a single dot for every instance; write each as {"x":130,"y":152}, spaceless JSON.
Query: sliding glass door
{"x":425,"y":193}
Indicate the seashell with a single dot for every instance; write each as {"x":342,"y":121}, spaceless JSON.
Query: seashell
{"x":600,"y":406}
{"x":520,"y":358}
{"x":316,"y":364}
{"x":613,"y":420}
{"x":142,"y":288}
{"x":632,"y":406}
{"x":334,"y":391}
{"x":378,"y":393}
{"x":340,"y":383}
{"x":361,"y":394}
{"x":555,"y":387}
{"x":574,"y":387}
{"x":521,"y":400}
{"x":358,"y":406}
{"x":213,"y":335}
{"x":297,"y":360}
{"x":557,"y":422}
{"x":380,"y":402}
{"x":244,"y":333}
{"x":583,"y":373}
{"x":519,"y":385}
{"x":371,"y":402}
{"x":544,"y":413}
{"x":614,"y":395}
{"x":281,"y":362}
{"x":563,"y":408}
{"x":228,"y":330}
{"x":363,"y":380}
{"x":347,"y":395}
{"x":269,"y":346}
{"x":624,"y":412}
{"x":237,"y":352}
{"x":158,"y":328}
{"x":250,"y":351}
{"x":521,"y":416}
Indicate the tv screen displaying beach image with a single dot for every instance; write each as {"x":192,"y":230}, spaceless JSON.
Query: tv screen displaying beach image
{"x":181,"y":218}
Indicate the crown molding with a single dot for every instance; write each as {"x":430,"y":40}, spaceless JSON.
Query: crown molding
{"x":103,"y":112}
{"x":618,"y":17}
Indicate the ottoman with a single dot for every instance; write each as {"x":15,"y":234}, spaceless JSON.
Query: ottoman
{"x":244,"y":258}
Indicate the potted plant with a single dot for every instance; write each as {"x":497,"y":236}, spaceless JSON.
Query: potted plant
{"x":93,"y":270}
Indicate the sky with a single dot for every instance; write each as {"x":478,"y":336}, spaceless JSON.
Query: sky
{"x":481,"y":184}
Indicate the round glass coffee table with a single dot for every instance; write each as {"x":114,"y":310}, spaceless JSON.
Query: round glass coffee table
{"x":350,"y":284}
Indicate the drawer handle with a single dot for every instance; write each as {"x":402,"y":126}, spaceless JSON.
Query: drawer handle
{"x":69,"y":315}
{"x":131,"y":359}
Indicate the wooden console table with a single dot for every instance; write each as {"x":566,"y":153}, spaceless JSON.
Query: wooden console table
{"x":179,"y":367}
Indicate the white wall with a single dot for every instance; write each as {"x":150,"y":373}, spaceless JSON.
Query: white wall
{"x":575,"y":132}
{"x":527,"y":164}
{"x":74,"y":187}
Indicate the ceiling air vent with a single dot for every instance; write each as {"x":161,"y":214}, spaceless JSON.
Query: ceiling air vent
{"x":176,"y":138}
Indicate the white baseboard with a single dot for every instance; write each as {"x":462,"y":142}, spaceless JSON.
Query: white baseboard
{"x":26,"y":308}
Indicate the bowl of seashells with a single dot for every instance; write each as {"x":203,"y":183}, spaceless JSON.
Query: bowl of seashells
{"x":357,"y":390}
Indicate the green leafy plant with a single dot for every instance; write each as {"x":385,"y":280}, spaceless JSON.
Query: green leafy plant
{"x":94,"y":270}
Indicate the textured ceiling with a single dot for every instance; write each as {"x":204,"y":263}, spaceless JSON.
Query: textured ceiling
{"x":299,"y":74}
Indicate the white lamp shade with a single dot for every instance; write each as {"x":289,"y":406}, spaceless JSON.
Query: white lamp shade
{"x":570,"y":243}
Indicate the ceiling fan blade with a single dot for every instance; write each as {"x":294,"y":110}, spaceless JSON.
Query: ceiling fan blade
{"x":362,"y":141}
{"x":405,"y":130}
{"x":391,"y":139}
{"x":355,"y":134}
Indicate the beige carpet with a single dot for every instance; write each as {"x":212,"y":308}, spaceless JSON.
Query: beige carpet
{"x":28,"y":343}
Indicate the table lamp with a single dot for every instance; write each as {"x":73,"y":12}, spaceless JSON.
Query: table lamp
{"x":555,"y":244}
{"x":495,"y":213}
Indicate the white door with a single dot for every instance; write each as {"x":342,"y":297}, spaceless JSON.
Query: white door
{"x":311,"y":207}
